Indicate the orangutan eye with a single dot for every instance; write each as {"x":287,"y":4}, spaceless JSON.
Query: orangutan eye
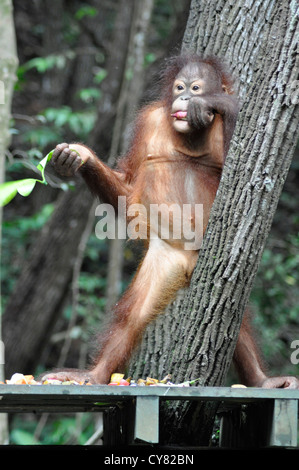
{"x":179,"y":87}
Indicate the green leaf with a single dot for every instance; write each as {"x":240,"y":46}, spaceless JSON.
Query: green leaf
{"x":60,"y":116}
{"x":42,"y":64}
{"x":42,"y":137}
{"x":86,"y":10}
{"x":100,"y":76}
{"x":9,"y":190}
{"x":42,"y":165}
{"x":88,"y":95}
{"x":24,"y":187}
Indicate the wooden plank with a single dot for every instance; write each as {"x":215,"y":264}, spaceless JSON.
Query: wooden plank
{"x":88,"y":395}
{"x":147,"y":419}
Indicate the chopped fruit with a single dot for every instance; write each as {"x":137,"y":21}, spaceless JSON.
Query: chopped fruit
{"x":124,"y":382}
{"x":116,"y":379}
{"x":150,"y":381}
{"x":20,"y":379}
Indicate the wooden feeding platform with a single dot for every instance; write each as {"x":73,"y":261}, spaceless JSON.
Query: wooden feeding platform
{"x":248,"y":416}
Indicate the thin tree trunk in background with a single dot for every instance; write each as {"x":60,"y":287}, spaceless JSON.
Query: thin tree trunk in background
{"x":130,"y":95}
{"x":197,"y":336}
{"x":9,"y":63}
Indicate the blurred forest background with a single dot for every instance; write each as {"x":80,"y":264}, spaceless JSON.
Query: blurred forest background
{"x":83,"y":70}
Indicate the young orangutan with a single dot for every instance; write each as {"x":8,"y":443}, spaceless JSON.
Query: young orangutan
{"x":175,"y":158}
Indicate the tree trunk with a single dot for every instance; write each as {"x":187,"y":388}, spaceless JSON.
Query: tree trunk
{"x":9,"y":62}
{"x":197,"y":336}
{"x":129,"y":98}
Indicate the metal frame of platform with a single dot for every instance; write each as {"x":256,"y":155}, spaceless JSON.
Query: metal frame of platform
{"x":249,"y":416}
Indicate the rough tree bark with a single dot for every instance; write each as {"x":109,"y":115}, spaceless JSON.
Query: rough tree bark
{"x":197,"y":335}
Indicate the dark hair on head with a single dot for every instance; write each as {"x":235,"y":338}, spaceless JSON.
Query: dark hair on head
{"x":173,"y":65}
